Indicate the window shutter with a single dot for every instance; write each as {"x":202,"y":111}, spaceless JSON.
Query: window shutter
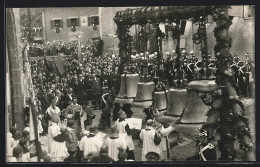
{"x":77,"y":22}
{"x":52,"y":24}
{"x":89,"y":21}
{"x":68,"y":23}
{"x":96,"y":20}
{"x":61,"y":23}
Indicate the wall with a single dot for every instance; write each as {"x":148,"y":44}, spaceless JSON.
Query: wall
{"x":15,"y":66}
{"x":65,"y":33}
{"x":109,"y":28}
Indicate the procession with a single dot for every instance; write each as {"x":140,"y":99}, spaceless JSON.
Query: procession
{"x":130,"y":84}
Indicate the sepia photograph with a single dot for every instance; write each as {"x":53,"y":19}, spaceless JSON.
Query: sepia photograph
{"x":130,"y":84}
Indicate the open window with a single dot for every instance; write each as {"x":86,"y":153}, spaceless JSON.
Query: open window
{"x":73,"y":22}
{"x":56,"y":23}
{"x":93,"y":20}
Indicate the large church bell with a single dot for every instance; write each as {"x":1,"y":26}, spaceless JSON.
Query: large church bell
{"x":128,"y":89}
{"x":144,"y":96}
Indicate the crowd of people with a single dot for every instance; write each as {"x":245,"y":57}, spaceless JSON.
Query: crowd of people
{"x":68,"y":124}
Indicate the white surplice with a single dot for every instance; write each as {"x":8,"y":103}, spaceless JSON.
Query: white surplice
{"x":122,"y":133}
{"x":147,"y":136}
{"x":90,"y":144}
{"x":53,"y":131}
{"x":113,"y":146}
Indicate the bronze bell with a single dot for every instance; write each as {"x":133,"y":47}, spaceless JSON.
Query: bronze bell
{"x":128,"y":88}
{"x":144,"y":96}
{"x":160,"y":100}
{"x":177,"y":102}
{"x":195,"y":110}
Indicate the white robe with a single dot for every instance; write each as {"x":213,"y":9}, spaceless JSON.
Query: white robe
{"x":53,"y":131}
{"x":10,"y":144}
{"x":52,"y":111}
{"x":163,"y":145}
{"x":123,"y":134}
{"x":148,"y":142}
{"x":59,"y":151}
{"x":114,"y":145}
{"x":90,"y":144}
{"x":26,"y":157}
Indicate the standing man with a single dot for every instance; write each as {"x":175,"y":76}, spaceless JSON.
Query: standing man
{"x":52,"y":111}
{"x":147,"y":137}
{"x":74,"y":111}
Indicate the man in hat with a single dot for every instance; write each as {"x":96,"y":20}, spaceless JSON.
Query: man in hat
{"x":147,"y":137}
{"x":91,"y":143}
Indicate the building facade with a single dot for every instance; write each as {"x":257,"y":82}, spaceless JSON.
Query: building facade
{"x":66,"y":24}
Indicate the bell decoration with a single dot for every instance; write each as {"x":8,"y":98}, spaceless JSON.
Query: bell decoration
{"x":144,"y":96}
{"x":160,"y":97}
{"x":128,"y":88}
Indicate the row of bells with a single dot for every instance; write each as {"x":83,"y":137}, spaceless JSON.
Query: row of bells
{"x":184,"y":107}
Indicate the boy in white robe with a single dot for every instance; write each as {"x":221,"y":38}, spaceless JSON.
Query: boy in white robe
{"x":17,"y":154}
{"x":147,"y":136}
{"x":53,"y":131}
{"x":125,"y":132}
{"x":91,"y":143}
{"x":114,"y":143}
{"x":164,"y":145}
{"x":59,"y":150}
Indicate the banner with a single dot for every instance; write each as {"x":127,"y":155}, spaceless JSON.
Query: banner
{"x":134,"y":123}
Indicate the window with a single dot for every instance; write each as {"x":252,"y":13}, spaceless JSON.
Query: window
{"x":56,"y":23}
{"x":93,"y":20}
{"x":251,"y":11}
{"x":248,"y":11}
{"x":73,"y":21}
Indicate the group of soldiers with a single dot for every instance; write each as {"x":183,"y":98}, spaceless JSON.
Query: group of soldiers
{"x":177,"y":71}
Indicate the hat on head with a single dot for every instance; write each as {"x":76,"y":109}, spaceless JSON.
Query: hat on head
{"x":191,"y":52}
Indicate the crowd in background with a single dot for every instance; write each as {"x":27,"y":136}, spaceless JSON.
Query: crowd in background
{"x":90,"y":76}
